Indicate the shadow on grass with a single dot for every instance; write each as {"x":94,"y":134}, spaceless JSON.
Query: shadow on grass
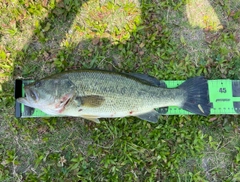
{"x":42,"y":48}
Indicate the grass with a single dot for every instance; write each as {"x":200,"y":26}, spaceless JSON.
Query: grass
{"x":161,"y":38}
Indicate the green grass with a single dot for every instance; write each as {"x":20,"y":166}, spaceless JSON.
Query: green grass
{"x":159,"y":38}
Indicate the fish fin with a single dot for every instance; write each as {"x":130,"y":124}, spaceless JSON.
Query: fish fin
{"x":90,"y":100}
{"x":91,"y":118}
{"x":151,"y":116}
{"x":149,"y":79}
{"x":197,"y":100}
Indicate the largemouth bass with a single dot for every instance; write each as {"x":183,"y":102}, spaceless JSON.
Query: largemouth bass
{"x":94,"y":94}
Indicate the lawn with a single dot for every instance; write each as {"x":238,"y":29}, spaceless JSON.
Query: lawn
{"x":168,"y":39}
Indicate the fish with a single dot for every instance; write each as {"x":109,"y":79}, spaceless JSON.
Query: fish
{"x":94,"y":94}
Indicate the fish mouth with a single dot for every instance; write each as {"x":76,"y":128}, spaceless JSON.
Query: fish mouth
{"x":24,"y":100}
{"x":31,"y":95}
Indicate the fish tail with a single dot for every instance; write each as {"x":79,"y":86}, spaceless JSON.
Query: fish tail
{"x":197,"y":100}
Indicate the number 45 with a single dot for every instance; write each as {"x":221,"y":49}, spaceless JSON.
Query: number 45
{"x":222,"y":90}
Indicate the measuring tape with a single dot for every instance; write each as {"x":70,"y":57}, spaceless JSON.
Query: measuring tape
{"x":224,"y":96}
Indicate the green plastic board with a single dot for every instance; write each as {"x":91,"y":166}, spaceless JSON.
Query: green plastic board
{"x":224,"y":96}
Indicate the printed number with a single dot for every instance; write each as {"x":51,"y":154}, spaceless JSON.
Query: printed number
{"x":222,"y":90}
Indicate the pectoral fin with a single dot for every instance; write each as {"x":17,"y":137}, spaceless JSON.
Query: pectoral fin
{"x":90,"y":100}
{"x":151,"y":116}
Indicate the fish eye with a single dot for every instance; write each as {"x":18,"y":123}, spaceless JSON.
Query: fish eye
{"x":33,"y":95}
{"x":38,"y":84}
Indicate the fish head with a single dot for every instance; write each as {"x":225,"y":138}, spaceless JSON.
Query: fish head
{"x":51,"y":95}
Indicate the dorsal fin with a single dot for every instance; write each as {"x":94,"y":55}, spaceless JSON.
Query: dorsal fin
{"x":149,"y":79}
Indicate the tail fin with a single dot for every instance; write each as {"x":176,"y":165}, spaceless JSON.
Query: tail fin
{"x":197,"y":100}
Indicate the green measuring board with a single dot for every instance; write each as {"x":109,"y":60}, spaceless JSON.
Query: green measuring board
{"x":224,"y":96}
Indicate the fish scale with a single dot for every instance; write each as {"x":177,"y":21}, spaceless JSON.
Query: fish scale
{"x":105,"y":85}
